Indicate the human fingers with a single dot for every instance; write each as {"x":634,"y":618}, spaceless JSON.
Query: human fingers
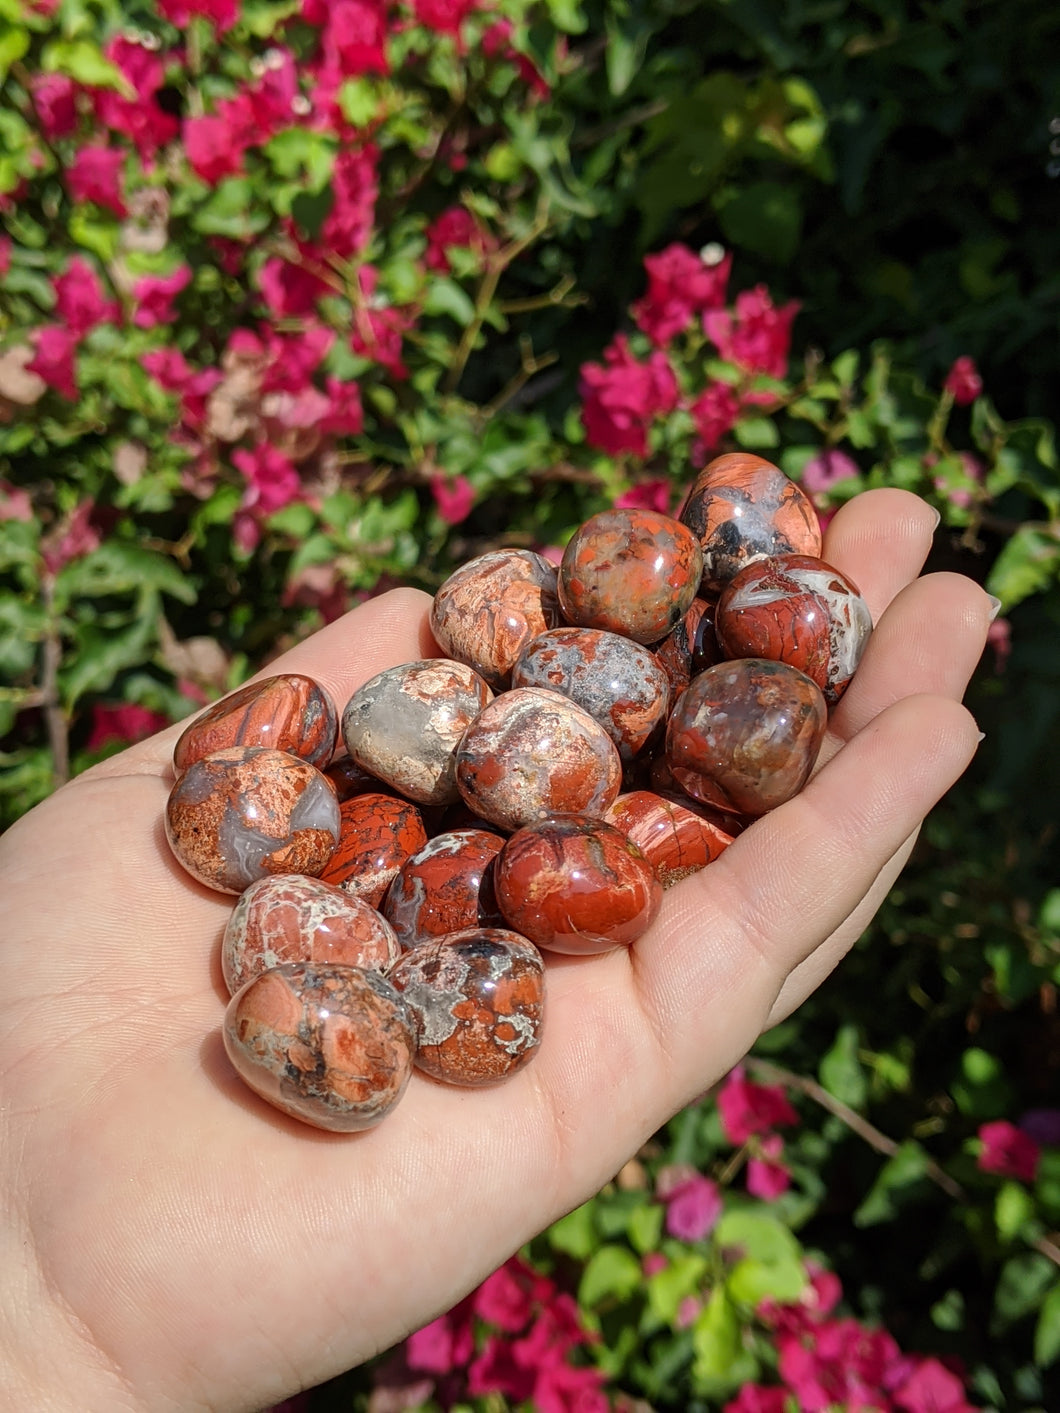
{"x":880,"y":539}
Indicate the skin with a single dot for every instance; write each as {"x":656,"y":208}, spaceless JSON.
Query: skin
{"x":168,"y":1242}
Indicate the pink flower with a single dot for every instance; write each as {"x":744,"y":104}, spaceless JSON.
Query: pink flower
{"x":139,"y":118}
{"x":622,"y":397}
{"x":963,"y":382}
{"x":497,"y":1370}
{"x":354,"y":38}
{"x":354,"y":188}
{"x":272,"y":481}
{"x":959,"y":495}
{"x":648,"y":495}
{"x":757,"y":338}
{"x":680,"y":286}
{"x":756,"y":1398}
{"x":827,"y":469}
{"x":767,"y":1177}
{"x":290,"y":291}
{"x":154,"y":295}
{"x":290,"y":359}
{"x":932,"y":1388}
{"x":222,"y":14}
{"x":75,"y":537}
{"x":345,"y":416}
{"x":715,"y":412}
{"x":507,"y":1298}
{"x":169,"y":367}
{"x":55,"y":99}
{"x":444,"y":1345}
{"x":1007,"y":1151}
{"x":443,"y":16}
{"x":211,"y":147}
{"x":15,"y":503}
{"x":653,"y":1263}
{"x":455,"y":227}
{"x":95,"y":175}
{"x":79,"y":298}
{"x":127,"y":722}
{"x":6,"y":247}
{"x":748,"y":1108}
{"x":687,"y":1311}
{"x":379,"y":328}
{"x":454,"y":497}
{"x":53,"y":359}
{"x":693,"y":1209}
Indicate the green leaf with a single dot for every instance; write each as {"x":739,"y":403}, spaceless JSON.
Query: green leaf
{"x":95,"y":231}
{"x":1029,"y":562}
{"x":1021,"y":1287}
{"x":716,"y":1339}
{"x":575,"y":1233}
{"x":645,"y":1226}
{"x":118,"y":568}
{"x":1047,"y":1331}
{"x":102,"y":653}
{"x":14,"y":41}
{"x":763,"y":217}
{"x":756,"y":432}
{"x":84,"y":61}
{"x":1013,"y":1209}
{"x":230,"y":210}
{"x":304,"y":155}
{"x":840,"y":1069}
{"x":750,"y":1282}
{"x":624,"y":52}
{"x":447,"y":297}
{"x":360,"y":101}
{"x":901,"y":1172}
{"x":756,"y":1234}
{"x":684,"y":1276}
{"x":613,"y":1273}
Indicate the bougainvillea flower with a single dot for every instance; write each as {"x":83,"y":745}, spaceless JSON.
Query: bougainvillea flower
{"x":80,"y":300}
{"x":767,"y":1177}
{"x":827,"y":469}
{"x":747,"y":1108}
{"x":680,"y":285}
{"x":139,"y":117}
{"x":444,"y":1345}
{"x":126,"y":722}
{"x":211,"y":147}
{"x":354,"y":38}
{"x":154,"y":296}
{"x":714,"y":413}
{"x":354,"y":190}
{"x":15,"y":503}
{"x":1008,"y":1151}
{"x":272,"y":481}
{"x":289,"y":291}
{"x":53,"y":359}
{"x":454,"y":497}
{"x":692,"y":1207}
{"x":95,"y":175}
{"x":963,"y":382}
{"x":55,"y":101}
{"x":756,"y":1398}
{"x":455,"y":227}
{"x":443,"y":16}
{"x":757,"y":335}
{"x":648,"y":495}
{"x":932,"y":1388}
{"x":622,"y":396}
{"x":222,"y":14}
{"x":73,"y":539}
{"x":345,"y":415}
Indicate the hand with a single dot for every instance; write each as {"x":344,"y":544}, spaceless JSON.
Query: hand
{"x":170,"y":1242}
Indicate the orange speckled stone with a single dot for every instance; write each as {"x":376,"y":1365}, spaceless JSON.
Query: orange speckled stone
{"x":378,"y":833}
{"x":577,"y":885}
{"x":533,"y":753}
{"x":690,"y":648}
{"x":476,"y":1000}
{"x":349,"y":779}
{"x":244,"y":813}
{"x":743,"y":507}
{"x":633,"y":572}
{"x":330,"y":1045}
{"x":446,"y":887}
{"x":291,"y":918}
{"x":489,"y":609}
{"x":677,"y":837}
{"x":287,"y":713}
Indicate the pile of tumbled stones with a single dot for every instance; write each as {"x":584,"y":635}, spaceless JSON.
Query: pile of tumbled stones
{"x":590,"y":737}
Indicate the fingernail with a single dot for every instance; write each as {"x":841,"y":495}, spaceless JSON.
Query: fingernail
{"x":982,"y":736}
{"x":995,"y":606}
{"x":938,"y":519}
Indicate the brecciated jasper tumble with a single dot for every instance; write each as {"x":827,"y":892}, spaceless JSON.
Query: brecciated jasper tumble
{"x":678,"y":836}
{"x":241,"y":814}
{"x":577,"y":885}
{"x":405,"y":724}
{"x":377,"y":834}
{"x":291,"y":918}
{"x":633,"y":572}
{"x":533,"y":753}
{"x":690,"y":648}
{"x":446,"y":887}
{"x":476,"y":1001}
{"x":798,"y":610}
{"x":330,"y":1045}
{"x":288,"y":712}
{"x":489,"y":609}
{"x":618,"y":682}
{"x":744,"y":735}
{"x":743,"y":507}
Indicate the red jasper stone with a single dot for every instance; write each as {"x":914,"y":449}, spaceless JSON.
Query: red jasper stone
{"x":576,"y":884}
{"x":291,"y":918}
{"x":533,"y":753}
{"x":378,"y":834}
{"x":744,"y":735}
{"x":445,"y":887}
{"x":476,"y":1002}
{"x":742,"y":507}
{"x":798,"y":610}
{"x":633,"y":572}
{"x":405,"y":724}
{"x":489,"y":609}
{"x":349,"y":779}
{"x":287,"y":713}
{"x":330,"y":1045}
{"x":241,"y":814}
{"x":690,"y":648}
{"x":677,"y":836}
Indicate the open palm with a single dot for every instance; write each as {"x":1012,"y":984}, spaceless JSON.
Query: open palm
{"x":170,"y":1242}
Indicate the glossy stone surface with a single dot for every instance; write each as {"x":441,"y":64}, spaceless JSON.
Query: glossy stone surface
{"x":241,"y":814}
{"x":690,"y":648}
{"x":290,"y":918}
{"x":488,"y":610}
{"x":287,"y":713}
{"x":445,"y":887}
{"x":533,"y":753}
{"x":677,"y":836}
{"x":405,"y":724}
{"x":633,"y":572}
{"x":618,"y":682}
{"x":577,"y":885}
{"x":741,"y":507}
{"x":349,"y":779}
{"x":476,"y":1001}
{"x":744,"y":735}
{"x":330,"y":1045}
{"x":798,"y":610}
{"x":378,"y":834}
